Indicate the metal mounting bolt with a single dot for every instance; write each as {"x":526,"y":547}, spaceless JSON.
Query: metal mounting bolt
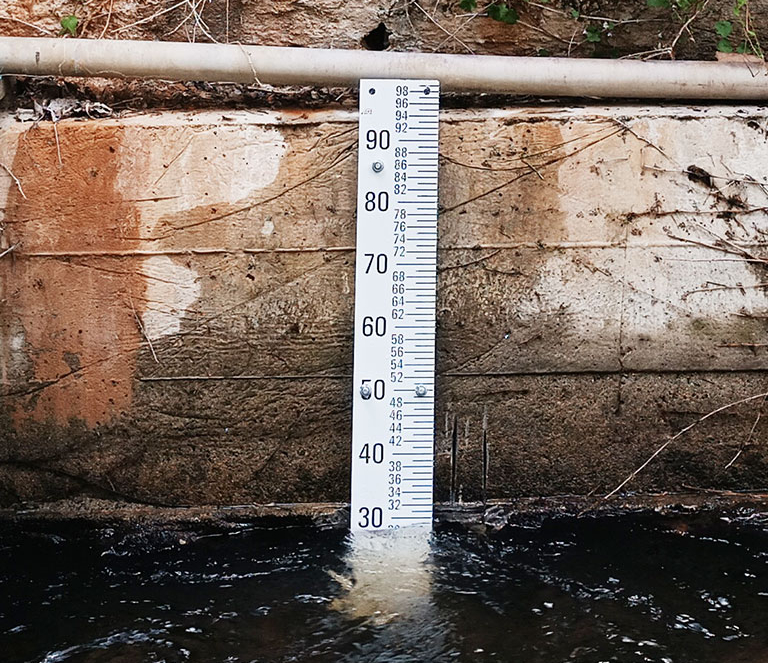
{"x":377,"y":166}
{"x":421,"y":390}
{"x":365,"y":392}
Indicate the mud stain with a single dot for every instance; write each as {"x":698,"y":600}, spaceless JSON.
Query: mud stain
{"x":494,"y":314}
{"x":512,"y":182}
{"x":77,"y":313}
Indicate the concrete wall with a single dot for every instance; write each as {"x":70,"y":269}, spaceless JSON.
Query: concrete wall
{"x":176,"y":317}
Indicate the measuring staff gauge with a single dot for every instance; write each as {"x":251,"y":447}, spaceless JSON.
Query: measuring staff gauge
{"x":395,"y":294}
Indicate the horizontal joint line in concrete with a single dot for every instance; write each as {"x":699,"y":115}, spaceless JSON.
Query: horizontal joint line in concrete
{"x":181,"y":378}
{"x":340,"y":249}
{"x":490,"y":374}
{"x":196,"y":251}
{"x":605,"y":372}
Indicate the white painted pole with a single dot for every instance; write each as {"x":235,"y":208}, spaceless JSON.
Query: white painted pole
{"x":326,"y":67}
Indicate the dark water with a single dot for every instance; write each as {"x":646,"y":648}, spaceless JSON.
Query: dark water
{"x":609,"y":589}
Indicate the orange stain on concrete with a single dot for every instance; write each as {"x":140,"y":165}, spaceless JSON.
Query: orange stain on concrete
{"x":77,"y":313}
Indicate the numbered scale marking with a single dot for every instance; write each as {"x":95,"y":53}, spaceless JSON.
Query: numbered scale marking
{"x":395,"y":289}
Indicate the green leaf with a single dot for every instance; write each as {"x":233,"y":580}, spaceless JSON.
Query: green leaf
{"x":739,"y":6}
{"x":468,"y":5}
{"x":724,"y":28}
{"x":658,"y":3}
{"x":575,"y":13}
{"x":593,"y":34}
{"x":724,"y":46}
{"x":742,"y":47}
{"x":512,"y":16}
{"x":503,"y":14}
{"x":69,"y":24}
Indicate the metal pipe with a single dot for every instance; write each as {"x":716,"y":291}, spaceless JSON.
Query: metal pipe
{"x":276,"y":65}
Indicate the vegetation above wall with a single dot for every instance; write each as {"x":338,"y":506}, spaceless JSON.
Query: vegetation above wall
{"x":648,"y":29}
{"x":735,"y":29}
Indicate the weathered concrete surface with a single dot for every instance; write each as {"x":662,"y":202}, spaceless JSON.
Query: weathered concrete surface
{"x":176,"y":315}
{"x":561,"y":28}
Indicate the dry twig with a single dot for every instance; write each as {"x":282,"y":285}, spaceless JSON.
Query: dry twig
{"x":226,"y":18}
{"x":679,"y":434}
{"x":440,"y":27}
{"x":685,"y":28}
{"x":746,"y":442}
{"x":453,"y":34}
{"x":9,"y":250}
{"x":14,"y":178}
{"x":58,"y":144}
{"x":250,"y":62}
{"x":743,"y":345}
{"x":109,"y":18}
{"x":5,"y":17}
{"x":149,"y":18}
{"x":143,"y":331}
{"x":719,"y":286}
{"x":199,"y":22}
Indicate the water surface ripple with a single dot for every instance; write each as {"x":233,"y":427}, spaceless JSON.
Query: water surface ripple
{"x":631,"y":588}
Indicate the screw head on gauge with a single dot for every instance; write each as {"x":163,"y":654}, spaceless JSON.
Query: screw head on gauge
{"x":421,"y":390}
{"x":365,"y":392}
{"x":377,"y":166}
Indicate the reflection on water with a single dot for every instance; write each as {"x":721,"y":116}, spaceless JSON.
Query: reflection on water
{"x":387,"y":592}
{"x":586,"y":590}
{"x":387,"y":575}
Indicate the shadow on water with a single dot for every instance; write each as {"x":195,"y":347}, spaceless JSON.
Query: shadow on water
{"x":630,"y":588}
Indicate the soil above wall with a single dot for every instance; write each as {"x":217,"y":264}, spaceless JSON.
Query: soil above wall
{"x":559,"y":28}
{"x":576,"y":28}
